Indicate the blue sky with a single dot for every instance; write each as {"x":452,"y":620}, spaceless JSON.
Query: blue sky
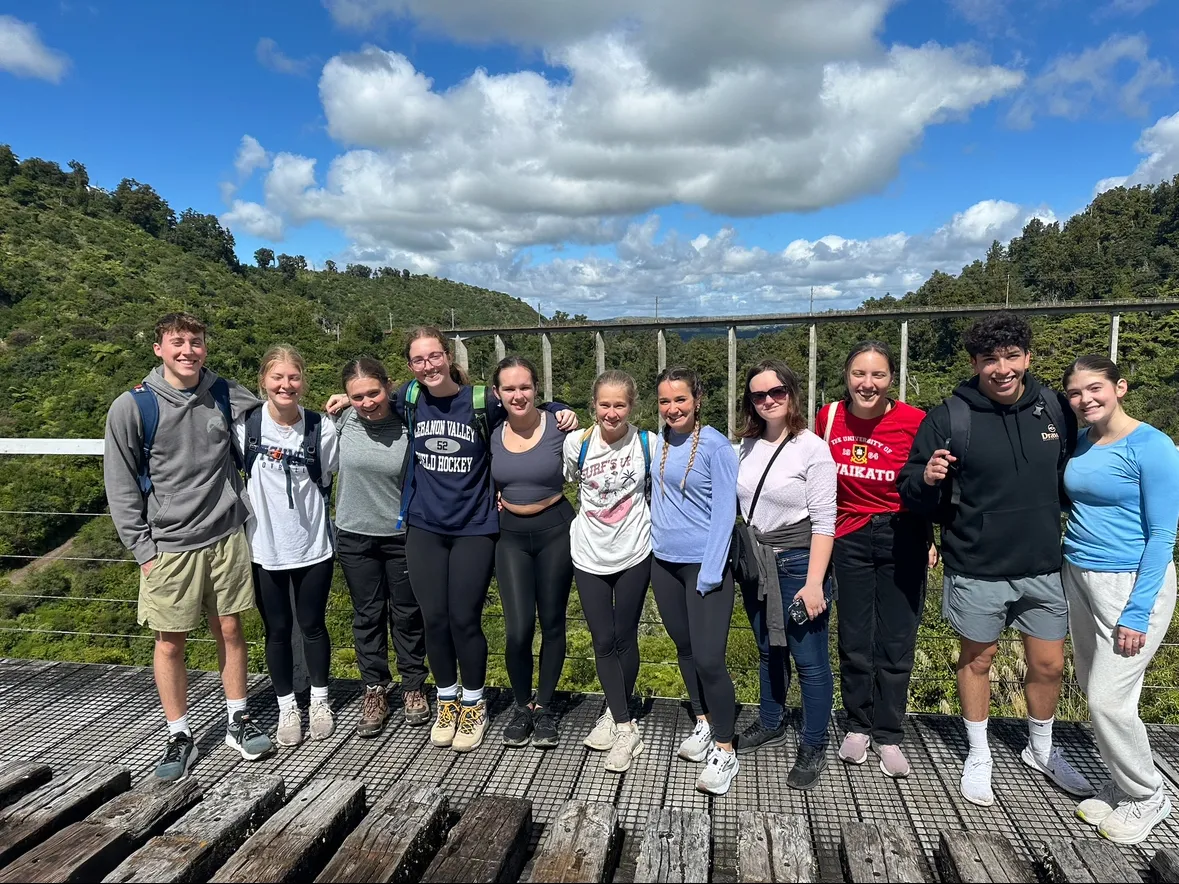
{"x":725,"y":157}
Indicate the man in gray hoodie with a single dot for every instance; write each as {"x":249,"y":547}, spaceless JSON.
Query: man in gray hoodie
{"x":179,"y":505}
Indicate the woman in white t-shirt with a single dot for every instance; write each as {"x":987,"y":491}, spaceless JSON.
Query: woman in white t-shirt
{"x":610,"y":540}
{"x":290,"y":454}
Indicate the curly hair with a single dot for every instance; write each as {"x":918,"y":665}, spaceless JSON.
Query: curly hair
{"x":997,"y":331}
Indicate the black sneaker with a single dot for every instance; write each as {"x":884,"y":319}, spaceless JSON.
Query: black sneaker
{"x":519,"y":727}
{"x":179,"y":756}
{"x":811,"y":762}
{"x":756,"y":737}
{"x":544,"y":728}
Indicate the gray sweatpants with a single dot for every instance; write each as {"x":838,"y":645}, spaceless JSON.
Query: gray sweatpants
{"x":1112,"y":682}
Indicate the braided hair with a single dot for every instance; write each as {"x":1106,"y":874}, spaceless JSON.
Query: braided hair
{"x":692,"y":380}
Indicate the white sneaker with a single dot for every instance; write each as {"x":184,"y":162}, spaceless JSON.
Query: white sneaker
{"x":322,"y":722}
{"x":976,"y":780}
{"x":627,"y":745}
{"x":1097,"y":809}
{"x":602,"y":736}
{"x":1132,"y":821}
{"x":290,"y":727}
{"x":1059,"y":771}
{"x":698,"y":743}
{"x":718,"y":772}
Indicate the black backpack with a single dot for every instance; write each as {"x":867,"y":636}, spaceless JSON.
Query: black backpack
{"x":307,"y":456}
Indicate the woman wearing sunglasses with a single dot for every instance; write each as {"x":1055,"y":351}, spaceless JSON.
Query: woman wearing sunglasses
{"x":881,"y":556}
{"x":786,"y":490}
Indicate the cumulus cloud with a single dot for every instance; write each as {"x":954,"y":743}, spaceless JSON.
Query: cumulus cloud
{"x":1160,"y":144}
{"x":1073,"y":85}
{"x":22,"y":53}
{"x":272,"y":58}
{"x":254,"y":219}
{"x":251,"y":156}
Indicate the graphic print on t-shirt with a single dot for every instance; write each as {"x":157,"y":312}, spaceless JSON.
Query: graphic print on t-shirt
{"x":606,"y":489}
{"x":862,"y":456}
{"x":443,"y":441}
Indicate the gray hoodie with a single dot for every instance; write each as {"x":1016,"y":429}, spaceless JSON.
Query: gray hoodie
{"x":197,"y":495}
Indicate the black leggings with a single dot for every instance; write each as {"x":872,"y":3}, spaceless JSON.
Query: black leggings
{"x":272,"y":593}
{"x":612,"y":605}
{"x":535,"y":573}
{"x":699,"y":626}
{"x":450,"y":575}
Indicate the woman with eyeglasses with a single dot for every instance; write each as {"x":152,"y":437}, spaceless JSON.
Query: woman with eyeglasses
{"x":786,"y":492}
{"x":451,"y":519}
{"x":882,"y":553}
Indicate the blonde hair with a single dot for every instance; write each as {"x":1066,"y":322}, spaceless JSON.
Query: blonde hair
{"x":275,"y":355}
{"x":612,"y":377}
{"x":689,"y":377}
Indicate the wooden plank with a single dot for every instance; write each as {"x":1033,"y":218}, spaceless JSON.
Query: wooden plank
{"x":579,"y":844}
{"x":775,"y":847}
{"x":296,"y":843}
{"x":54,"y":806}
{"x":1088,"y":861}
{"x":877,"y":852}
{"x":490,"y":842}
{"x":396,"y":840}
{"x":980,"y":857}
{"x":19,"y":778}
{"x":88,"y":850}
{"x":1166,"y":865}
{"x":199,"y":842}
{"x":675,"y":847}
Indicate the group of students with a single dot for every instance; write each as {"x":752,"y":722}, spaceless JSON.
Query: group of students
{"x":441,"y":483}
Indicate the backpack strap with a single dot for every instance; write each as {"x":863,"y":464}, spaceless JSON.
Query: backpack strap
{"x":958,"y":443}
{"x":645,"y":439}
{"x":412,"y":392}
{"x":149,"y":416}
{"x":312,"y":426}
{"x":585,"y":443}
{"x":482,"y":418}
{"x":830,"y":421}
{"x":219,"y":390}
{"x":253,"y":446}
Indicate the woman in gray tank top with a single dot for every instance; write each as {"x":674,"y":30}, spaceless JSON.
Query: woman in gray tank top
{"x":532,"y":560}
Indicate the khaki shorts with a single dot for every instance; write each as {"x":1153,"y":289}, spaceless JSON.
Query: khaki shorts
{"x":185,"y":587}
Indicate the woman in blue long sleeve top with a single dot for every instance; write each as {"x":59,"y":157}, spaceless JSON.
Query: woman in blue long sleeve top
{"x":693,"y":507}
{"x":1119,"y":577}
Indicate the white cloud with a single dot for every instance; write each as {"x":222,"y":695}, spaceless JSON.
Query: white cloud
{"x":22,"y":53}
{"x":272,"y":58}
{"x":254,"y":219}
{"x":250,"y":157}
{"x":1073,"y":85}
{"x":1123,"y":7}
{"x":1160,"y":144}
{"x":988,"y":15}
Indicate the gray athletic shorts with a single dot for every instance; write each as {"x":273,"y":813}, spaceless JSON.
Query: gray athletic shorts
{"x":979,"y":609}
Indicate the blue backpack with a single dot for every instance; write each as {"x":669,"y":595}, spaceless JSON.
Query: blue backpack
{"x":149,"y":414}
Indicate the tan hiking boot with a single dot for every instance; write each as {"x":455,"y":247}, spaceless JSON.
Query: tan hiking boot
{"x":374,"y":711}
{"x":417,"y":708}
{"x":472,"y":725}
{"x":442,"y":733}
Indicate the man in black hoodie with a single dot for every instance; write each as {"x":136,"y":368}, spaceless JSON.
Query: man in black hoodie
{"x":988,"y":464}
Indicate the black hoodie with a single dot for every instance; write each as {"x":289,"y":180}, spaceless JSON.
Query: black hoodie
{"x":1007,"y":523}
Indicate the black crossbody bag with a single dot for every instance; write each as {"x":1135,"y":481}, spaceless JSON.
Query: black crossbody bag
{"x":742,"y":561}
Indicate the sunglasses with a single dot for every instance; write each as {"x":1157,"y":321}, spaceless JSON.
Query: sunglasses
{"x":760,"y":396}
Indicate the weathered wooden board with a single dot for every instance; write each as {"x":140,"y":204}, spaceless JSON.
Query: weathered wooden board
{"x":296,"y":843}
{"x":54,"y":806}
{"x":19,"y":778}
{"x":579,"y":844}
{"x":675,"y":847}
{"x":1088,"y":861}
{"x":396,"y":839}
{"x":1166,"y":865}
{"x":774,"y":847}
{"x":980,"y":857}
{"x":490,"y":842}
{"x":88,"y":850}
{"x":197,"y":844}
{"x":877,"y":852}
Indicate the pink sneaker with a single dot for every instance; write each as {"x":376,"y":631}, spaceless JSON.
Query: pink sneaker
{"x":854,"y":749}
{"x":893,"y":762}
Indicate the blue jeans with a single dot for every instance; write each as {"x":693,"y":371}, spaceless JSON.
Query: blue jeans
{"x":806,"y":643}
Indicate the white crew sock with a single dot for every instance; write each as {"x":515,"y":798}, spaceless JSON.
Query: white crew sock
{"x":450,"y":693}
{"x":471,"y":696}
{"x":284,"y":703}
{"x":976,"y":737}
{"x":232,"y":706}
{"x":179,"y":726}
{"x":1040,"y":738}
{"x":318,"y":694}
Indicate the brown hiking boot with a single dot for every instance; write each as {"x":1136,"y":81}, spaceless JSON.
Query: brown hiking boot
{"x":417,"y":709}
{"x":374,"y":711}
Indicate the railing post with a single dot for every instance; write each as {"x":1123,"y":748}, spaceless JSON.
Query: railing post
{"x":460,"y":353}
{"x":732,"y":385}
{"x":1114,"y":328}
{"x":904,"y":359}
{"x":500,"y":350}
{"x":546,"y":358}
{"x":600,"y":352}
{"x":812,"y":370}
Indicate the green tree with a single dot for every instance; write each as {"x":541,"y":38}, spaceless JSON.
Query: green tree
{"x":264,"y":257}
{"x":329,"y":266}
{"x":363,"y":271}
{"x":8,"y":164}
{"x":288,"y":267}
{"x":143,"y":207}
{"x":204,"y":236}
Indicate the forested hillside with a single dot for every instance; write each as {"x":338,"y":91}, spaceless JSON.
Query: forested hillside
{"x":85,"y":272}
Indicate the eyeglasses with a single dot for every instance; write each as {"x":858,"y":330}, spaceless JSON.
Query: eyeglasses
{"x":760,"y":396}
{"x":435,"y":358}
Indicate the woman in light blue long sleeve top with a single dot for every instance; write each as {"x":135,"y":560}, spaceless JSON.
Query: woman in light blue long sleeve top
{"x":693,"y":507}
{"x":1119,"y":577}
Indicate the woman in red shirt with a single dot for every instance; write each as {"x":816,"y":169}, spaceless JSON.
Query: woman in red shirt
{"x":880,"y":558}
